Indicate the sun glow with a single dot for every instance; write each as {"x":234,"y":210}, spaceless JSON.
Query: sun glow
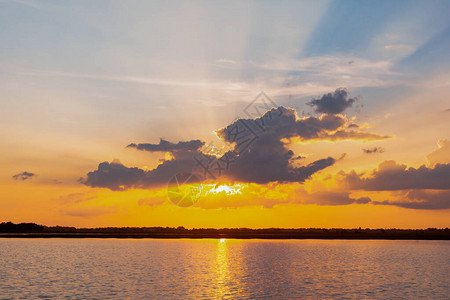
{"x":229,"y":190}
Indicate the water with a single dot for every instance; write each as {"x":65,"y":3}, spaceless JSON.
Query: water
{"x":133,"y":269}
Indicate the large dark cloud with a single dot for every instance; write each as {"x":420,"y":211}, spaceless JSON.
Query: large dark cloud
{"x":23,"y":176}
{"x":391,"y":176}
{"x":262,"y":144}
{"x":259,"y":152}
{"x":333,"y":103}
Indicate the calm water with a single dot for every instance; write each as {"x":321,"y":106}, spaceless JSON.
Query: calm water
{"x":110,"y":269}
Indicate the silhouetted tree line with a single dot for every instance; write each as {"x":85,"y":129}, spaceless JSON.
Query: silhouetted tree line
{"x":22,"y":227}
{"x":170,"y":232}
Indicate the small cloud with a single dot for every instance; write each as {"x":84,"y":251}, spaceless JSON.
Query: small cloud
{"x":226,"y":61}
{"x":75,"y":198}
{"x":363,"y":200}
{"x":298,"y":157}
{"x":373,"y":150}
{"x":151,"y":201}
{"x":178,"y":150}
{"x":88,"y":212}
{"x":23,"y":176}
{"x":332,"y":103}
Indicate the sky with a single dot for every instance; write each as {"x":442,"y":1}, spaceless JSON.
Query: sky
{"x":274,"y":113}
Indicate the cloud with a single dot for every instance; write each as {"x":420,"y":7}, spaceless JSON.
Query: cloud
{"x":259,"y":152}
{"x":216,"y":196}
{"x":88,"y":212}
{"x":421,"y":199}
{"x":262,"y":144}
{"x":442,"y":154}
{"x":151,"y":201}
{"x":283,"y":123}
{"x":158,"y":81}
{"x":391,"y":176}
{"x":333,"y":103}
{"x":117,"y":177}
{"x":23,"y":176}
{"x":76,"y":198}
{"x":373,"y":150}
{"x":164,"y":145}
{"x":330,"y":198}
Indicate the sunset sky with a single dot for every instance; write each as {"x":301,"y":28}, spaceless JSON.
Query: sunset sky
{"x":103,"y":102}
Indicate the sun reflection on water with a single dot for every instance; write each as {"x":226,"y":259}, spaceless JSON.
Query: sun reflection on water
{"x":223,"y":274}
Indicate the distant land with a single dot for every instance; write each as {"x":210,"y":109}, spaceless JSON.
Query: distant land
{"x":32,"y":230}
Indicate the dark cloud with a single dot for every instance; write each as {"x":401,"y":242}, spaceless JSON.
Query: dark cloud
{"x":283,"y":123}
{"x":118,"y":177}
{"x":333,"y":198}
{"x":391,"y":176}
{"x":259,"y":152}
{"x":23,"y":176}
{"x":166,"y":146}
{"x":299,"y":157}
{"x":421,"y":199}
{"x":333,"y":103}
{"x":373,"y":150}
{"x":267,"y":159}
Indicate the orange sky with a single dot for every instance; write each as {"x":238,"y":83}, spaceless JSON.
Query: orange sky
{"x":80,"y":83}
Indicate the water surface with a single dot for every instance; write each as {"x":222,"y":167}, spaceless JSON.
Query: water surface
{"x":133,"y":269}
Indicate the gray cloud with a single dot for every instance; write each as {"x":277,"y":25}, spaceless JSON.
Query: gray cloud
{"x":283,"y":123}
{"x":180,"y":150}
{"x":332,"y":198}
{"x":299,"y":157}
{"x":164,"y":145}
{"x":421,"y":199}
{"x":23,"y":176}
{"x":391,"y":176}
{"x":373,"y":150}
{"x":260,"y":152}
{"x":333,"y":103}
{"x":118,"y":177}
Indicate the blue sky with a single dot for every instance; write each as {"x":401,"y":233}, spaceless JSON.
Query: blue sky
{"x":80,"y":80}
{"x":93,"y":62}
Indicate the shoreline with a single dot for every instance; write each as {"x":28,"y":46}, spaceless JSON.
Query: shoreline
{"x":268,"y":236}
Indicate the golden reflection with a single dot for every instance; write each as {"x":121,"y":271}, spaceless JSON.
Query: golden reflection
{"x":222,"y":270}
